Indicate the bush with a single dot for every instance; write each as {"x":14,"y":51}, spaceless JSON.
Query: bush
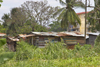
{"x":24,"y":51}
{"x":2,"y":42}
{"x":97,"y":44}
{"x":5,"y":56}
{"x":84,"y":51}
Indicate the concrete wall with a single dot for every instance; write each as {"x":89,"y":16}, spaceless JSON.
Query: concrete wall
{"x":82,"y":26}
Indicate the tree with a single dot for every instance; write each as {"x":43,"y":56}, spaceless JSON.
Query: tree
{"x":5,"y":18}
{"x":41,"y":12}
{"x":17,"y":22}
{"x":2,"y":29}
{"x":94,"y":17}
{"x":56,"y":26}
{"x":67,"y":14}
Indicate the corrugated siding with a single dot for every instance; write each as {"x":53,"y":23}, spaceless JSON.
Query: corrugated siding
{"x":92,"y":39}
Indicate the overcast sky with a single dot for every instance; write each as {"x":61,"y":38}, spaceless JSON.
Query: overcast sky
{"x":7,"y":5}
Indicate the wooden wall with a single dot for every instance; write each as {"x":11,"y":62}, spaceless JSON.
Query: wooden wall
{"x":11,"y":45}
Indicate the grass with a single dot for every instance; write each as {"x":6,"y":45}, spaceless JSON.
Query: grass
{"x":53,"y":55}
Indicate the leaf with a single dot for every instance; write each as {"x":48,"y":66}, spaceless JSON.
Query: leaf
{"x":59,"y":11}
{"x":62,"y":3}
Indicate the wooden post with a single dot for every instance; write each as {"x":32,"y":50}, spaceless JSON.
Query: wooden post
{"x":85,"y":20}
{"x":32,"y":40}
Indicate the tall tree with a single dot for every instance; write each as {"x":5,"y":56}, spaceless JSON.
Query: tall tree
{"x":67,"y":14}
{"x":40,"y":11}
{"x":5,"y":18}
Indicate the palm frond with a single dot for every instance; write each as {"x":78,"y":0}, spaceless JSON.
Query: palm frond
{"x":61,"y":15}
{"x":62,"y":2}
{"x":64,"y":21}
{"x":77,"y":19}
{"x":58,"y":12}
{"x":68,"y":1}
{"x":79,"y":4}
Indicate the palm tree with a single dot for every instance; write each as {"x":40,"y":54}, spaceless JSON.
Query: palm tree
{"x":67,"y":14}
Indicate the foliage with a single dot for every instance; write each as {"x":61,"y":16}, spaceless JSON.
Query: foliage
{"x":27,"y":18}
{"x":67,"y":15}
{"x":56,"y":26}
{"x":94,"y":17}
{"x":97,"y":44}
{"x":39,"y":28}
{"x":6,"y":56}
{"x":2,"y":29}
{"x":24,"y":51}
{"x":41,"y":12}
{"x":1,"y":2}
{"x":54,"y":54}
{"x":2,"y":42}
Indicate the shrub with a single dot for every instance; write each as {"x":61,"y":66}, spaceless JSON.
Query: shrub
{"x":5,"y":56}
{"x":2,"y":42}
{"x":97,"y":44}
{"x":84,"y":51}
{"x":24,"y":51}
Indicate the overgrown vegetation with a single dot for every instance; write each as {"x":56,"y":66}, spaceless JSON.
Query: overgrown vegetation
{"x":2,"y":41}
{"x":53,"y":55}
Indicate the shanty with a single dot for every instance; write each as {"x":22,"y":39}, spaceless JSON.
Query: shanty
{"x":11,"y":43}
{"x":41,"y":38}
{"x":92,"y":37}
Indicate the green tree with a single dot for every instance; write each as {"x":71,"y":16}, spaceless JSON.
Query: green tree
{"x":67,"y":14}
{"x":94,"y":17}
{"x":56,"y":26}
{"x":2,"y":29}
{"x":5,"y":18}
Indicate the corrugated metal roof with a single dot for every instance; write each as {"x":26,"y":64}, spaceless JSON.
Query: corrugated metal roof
{"x":78,"y":34}
{"x":24,"y":35}
{"x":93,"y":33}
{"x":13,"y":39}
{"x":2,"y":34}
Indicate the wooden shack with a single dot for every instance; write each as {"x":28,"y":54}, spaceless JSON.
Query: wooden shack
{"x":11,"y":43}
{"x":70,"y":38}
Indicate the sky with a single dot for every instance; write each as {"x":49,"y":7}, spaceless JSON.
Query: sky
{"x":7,"y":5}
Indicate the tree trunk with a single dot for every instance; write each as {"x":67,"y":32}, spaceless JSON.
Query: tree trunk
{"x":68,"y":29}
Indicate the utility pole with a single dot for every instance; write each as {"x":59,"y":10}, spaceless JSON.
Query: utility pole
{"x":85,"y":20}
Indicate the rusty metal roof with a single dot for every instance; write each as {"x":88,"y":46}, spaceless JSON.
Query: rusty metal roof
{"x":2,"y":34}
{"x":77,"y":34}
{"x":24,"y":35}
{"x":92,"y":33}
{"x":13,"y":39}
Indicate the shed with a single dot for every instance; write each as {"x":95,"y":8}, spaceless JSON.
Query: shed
{"x":11,"y":43}
{"x":70,"y":38}
{"x":92,"y":37}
